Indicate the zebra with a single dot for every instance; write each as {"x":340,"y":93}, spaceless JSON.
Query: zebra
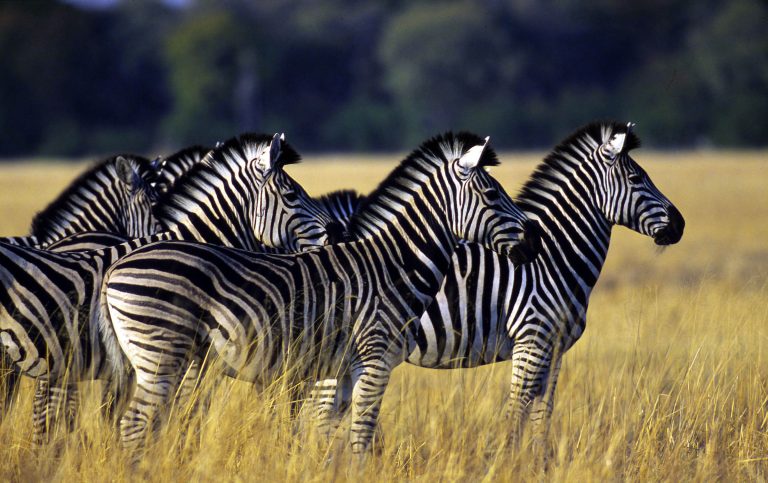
{"x":48,"y":306}
{"x":344,"y":307}
{"x":488,"y":310}
{"x":167,"y":172}
{"x":114,"y":196}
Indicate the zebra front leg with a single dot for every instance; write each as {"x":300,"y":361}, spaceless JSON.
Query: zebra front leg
{"x":53,"y":403}
{"x":328,"y":402}
{"x":370,"y":377}
{"x":530,"y":370}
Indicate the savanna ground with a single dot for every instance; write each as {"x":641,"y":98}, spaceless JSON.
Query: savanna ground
{"x":669,"y":382}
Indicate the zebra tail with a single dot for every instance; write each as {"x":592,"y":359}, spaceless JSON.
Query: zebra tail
{"x":116,"y":361}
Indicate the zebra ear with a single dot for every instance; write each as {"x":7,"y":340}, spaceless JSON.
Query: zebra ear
{"x":275,"y":149}
{"x":614,"y":146}
{"x":471,"y":158}
{"x":127,"y":172}
{"x":158,"y":163}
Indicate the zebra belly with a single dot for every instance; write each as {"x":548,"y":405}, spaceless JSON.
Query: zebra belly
{"x":443,"y":347}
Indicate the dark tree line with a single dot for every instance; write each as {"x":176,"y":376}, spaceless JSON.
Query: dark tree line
{"x":378,"y":75}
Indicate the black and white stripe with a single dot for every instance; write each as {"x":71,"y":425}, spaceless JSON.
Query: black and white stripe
{"x":487,"y":310}
{"x":111,"y":201}
{"x":115,"y":196}
{"x":49,"y":301}
{"x":345,"y":307}
{"x":171,"y":169}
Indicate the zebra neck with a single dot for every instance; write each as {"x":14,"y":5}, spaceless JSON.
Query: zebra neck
{"x":92,"y":202}
{"x":412,"y":240}
{"x":68,"y":222}
{"x":575,"y":236}
{"x":208,"y":221}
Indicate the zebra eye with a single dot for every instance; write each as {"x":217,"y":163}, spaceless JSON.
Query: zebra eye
{"x":635,"y":179}
{"x":290,"y":196}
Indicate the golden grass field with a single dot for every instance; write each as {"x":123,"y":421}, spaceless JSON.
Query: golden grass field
{"x":670,"y":381}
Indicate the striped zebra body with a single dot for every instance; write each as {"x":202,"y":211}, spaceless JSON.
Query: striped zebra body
{"x":39,"y":305}
{"x":344,"y":307}
{"x":488,"y":310}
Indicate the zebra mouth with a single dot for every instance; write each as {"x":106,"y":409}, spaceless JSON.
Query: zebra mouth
{"x":529,"y":246}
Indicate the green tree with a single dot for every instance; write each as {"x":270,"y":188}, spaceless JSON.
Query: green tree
{"x":440,"y":57}
{"x":730,"y":56}
{"x":207,"y":61}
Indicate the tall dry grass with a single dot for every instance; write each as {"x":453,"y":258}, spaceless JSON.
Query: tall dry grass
{"x":670,"y":380}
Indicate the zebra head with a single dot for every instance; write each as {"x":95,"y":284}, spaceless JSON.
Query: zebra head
{"x":284,"y":215}
{"x":138,"y":195}
{"x":630,"y":197}
{"x":484,"y":212}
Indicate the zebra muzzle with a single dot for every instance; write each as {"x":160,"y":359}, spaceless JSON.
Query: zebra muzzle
{"x":673,"y":231}
{"x":529,"y":246}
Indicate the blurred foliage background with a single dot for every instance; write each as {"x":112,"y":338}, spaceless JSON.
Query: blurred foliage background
{"x":100,"y":76}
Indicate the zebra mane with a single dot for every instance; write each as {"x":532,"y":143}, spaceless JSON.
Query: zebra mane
{"x":47,"y":220}
{"x":594,"y":133}
{"x":341,"y":205}
{"x":231,"y":156}
{"x":433,"y":153}
{"x":344,"y":196}
{"x":186,"y":157}
{"x":172,"y":168}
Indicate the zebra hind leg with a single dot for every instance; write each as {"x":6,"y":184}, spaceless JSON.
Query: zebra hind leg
{"x":155,"y":388}
{"x":192,"y":400}
{"x":52,"y":405}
